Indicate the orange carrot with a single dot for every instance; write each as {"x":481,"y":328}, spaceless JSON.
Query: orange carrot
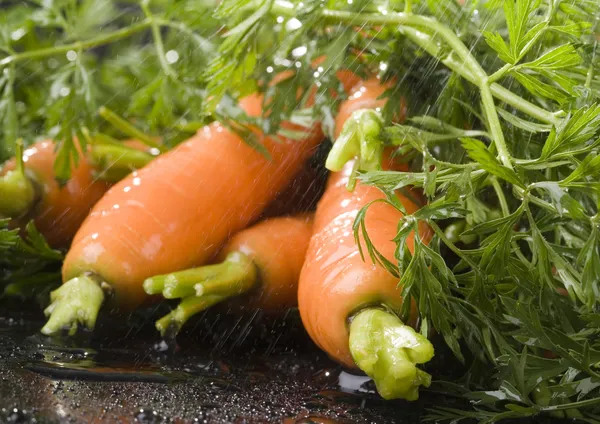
{"x":173,"y":214}
{"x":57,"y":210}
{"x":263,"y":262}
{"x":337,"y":285}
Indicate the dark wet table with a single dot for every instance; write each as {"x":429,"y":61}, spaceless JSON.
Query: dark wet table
{"x":222,"y":369}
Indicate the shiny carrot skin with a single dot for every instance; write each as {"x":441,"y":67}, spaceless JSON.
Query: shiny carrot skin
{"x":335,"y":281}
{"x":277,"y":247}
{"x":176,"y":212}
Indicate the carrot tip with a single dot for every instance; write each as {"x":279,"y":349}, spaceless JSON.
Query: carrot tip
{"x":78,"y":301}
{"x":388,"y":351}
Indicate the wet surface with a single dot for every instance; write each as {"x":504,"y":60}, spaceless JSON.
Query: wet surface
{"x":223,"y":369}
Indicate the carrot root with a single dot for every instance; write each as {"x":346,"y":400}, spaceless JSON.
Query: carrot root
{"x":77,"y":301}
{"x":388,"y":351}
{"x":17,"y":192}
{"x":170,"y":324}
{"x":360,"y":138}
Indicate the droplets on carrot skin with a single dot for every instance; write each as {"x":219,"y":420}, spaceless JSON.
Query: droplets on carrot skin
{"x":230,"y":184}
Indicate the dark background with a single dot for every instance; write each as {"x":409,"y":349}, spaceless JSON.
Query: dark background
{"x":222,"y":368}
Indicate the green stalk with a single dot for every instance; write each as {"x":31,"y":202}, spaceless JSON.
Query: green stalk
{"x":388,"y":351}
{"x":116,"y":162}
{"x":495,"y":128}
{"x":124,"y":126}
{"x":360,"y":138}
{"x":17,"y":191}
{"x":426,"y":43}
{"x":11,"y":121}
{"x":158,"y":42}
{"x":171,"y":323}
{"x":202,"y":287}
{"x":79,"y":45}
{"x":77,"y":301}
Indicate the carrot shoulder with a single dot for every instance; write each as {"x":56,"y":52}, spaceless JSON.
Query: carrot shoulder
{"x":177,"y":211}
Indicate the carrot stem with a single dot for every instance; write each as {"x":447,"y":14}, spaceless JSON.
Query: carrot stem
{"x":235,"y":275}
{"x":17,"y":191}
{"x":124,"y":126}
{"x":77,"y":301}
{"x":114,"y":162}
{"x":202,"y":287}
{"x":172,"y":322}
{"x":361,"y":139}
{"x":388,"y":351}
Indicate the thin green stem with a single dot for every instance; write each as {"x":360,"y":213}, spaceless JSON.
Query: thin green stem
{"x":388,"y":351}
{"x":158,"y":41}
{"x":78,"y":45}
{"x":124,"y":126}
{"x":500,"y":73}
{"x":115,"y":162}
{"x":524,"y":106}
{"x":505,"y":212}
{"x":11,"y":121}
{"x":495,"y":128}
{"x":188,"y":307}
{"x":414,"y":21}
{"x":426,"y":43}
{"x":471,"y":72}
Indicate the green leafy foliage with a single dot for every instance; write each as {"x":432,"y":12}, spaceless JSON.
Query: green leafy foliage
{"x":501,"y":136}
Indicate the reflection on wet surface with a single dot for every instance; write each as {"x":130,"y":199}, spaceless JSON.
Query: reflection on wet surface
{"x":223,"y":369}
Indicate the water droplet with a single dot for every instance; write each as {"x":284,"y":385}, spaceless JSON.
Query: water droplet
{"x":17,"y":34}
{"x":71,"y":55}
{"x":172,"y":56}
{"x":293,"y":24}
{"x":299,"y":52}
{"x":279,"y":19}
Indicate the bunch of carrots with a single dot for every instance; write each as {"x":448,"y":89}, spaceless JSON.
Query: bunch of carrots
{"x":185,"y":224}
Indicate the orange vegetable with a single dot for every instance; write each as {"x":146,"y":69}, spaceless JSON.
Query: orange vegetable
{"x":59,"y":210}
{"x":174,"y":214}
{"x":336,"y":283}
{"x":262,"y":262}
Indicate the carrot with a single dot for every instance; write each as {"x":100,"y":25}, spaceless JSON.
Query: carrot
{"x":263,"y":262}
{"x":337,"y":285}
{"x":173,"y":214}
{"x":57,"y":210}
